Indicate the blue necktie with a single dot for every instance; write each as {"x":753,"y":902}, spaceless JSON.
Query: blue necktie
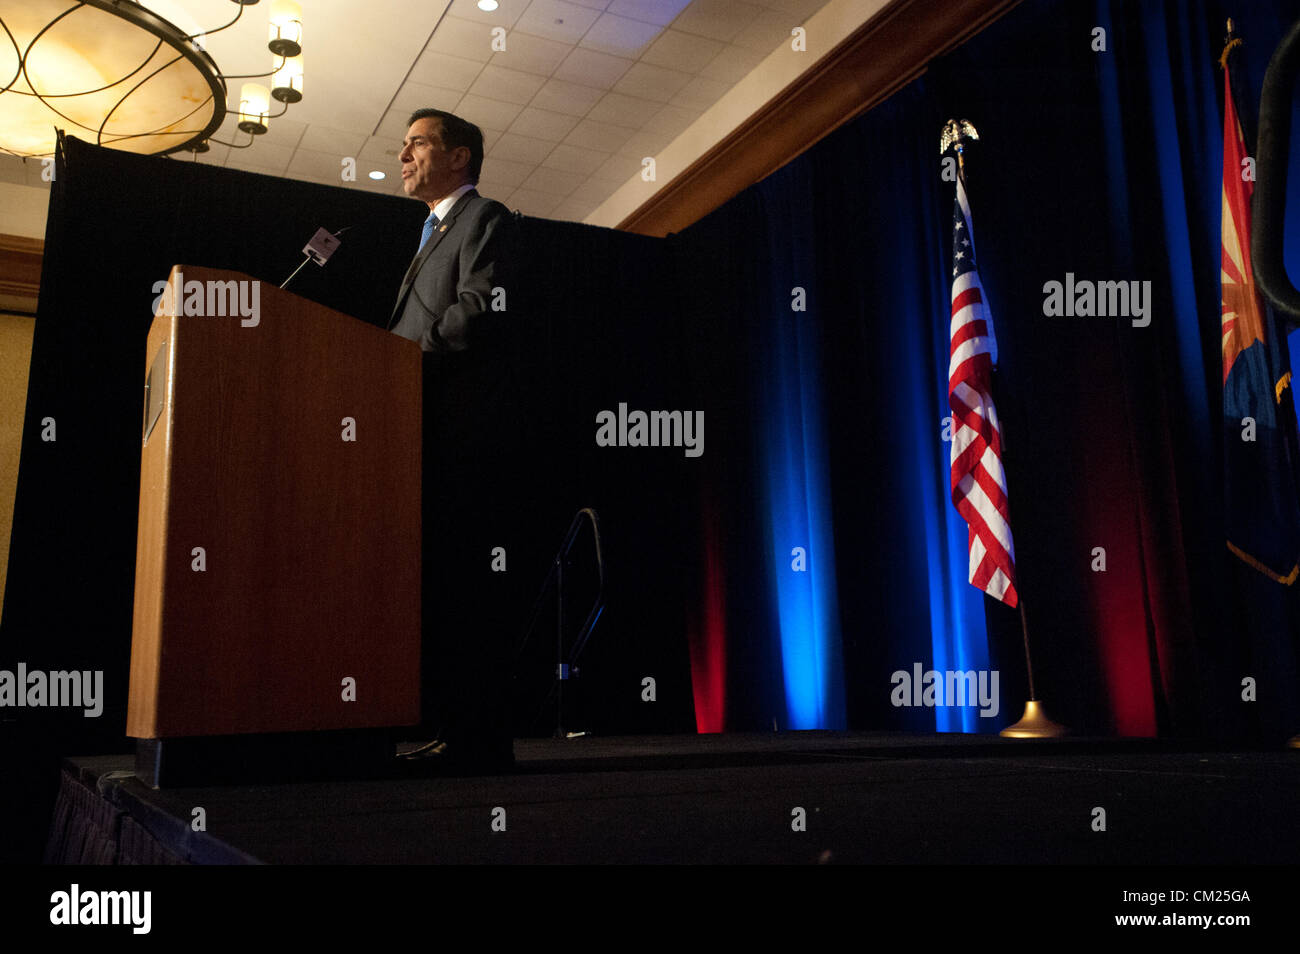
{"x":430,"y":224}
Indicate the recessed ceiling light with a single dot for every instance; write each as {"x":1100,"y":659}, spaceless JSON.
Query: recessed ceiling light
{"x":487,"y":6}
{"x":376,"y":174}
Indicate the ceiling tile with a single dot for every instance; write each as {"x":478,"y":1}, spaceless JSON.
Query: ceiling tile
{"x":573,"y":210}
{"x":463,"y":38}
{"x":624,"y":110}
{"x":767,"y":32}
{"x":543,"y":124}
{"x":652,"y":82}
{"x":592,"y":68}
{"x":567,"y":109}
{"x":618,"y":169}
{"x":733,"y":64}
{"x":521,"y":148}
{"x":672,"y":120}
{"x":512,"y":86}
{"x":266,"y":168}
{"x":323,"y":139}
{"x":553,"y":181}
{"x":574,"y":159}
{"x":268,"y":156}
{"x":605,"y":137}
{"x":216,"y":155}
{"x":661,"y":12}
{"x":384,"y":185}
{"x":394,"y":126}
{"x":557,"y":20}
{"x":561,"y":97}
{"x":366,"y":184}
{"x":800,"y":8}
{"x":317,"y":166}
{"x":487,"y":113}
{"x":645,"y":144}
{"x":413,"y":96}
{"x":717,"y":19}
{"x":492,"y":189}
{"x":506,"y":13}
{"x":448,"y":72}
{"x":283,"y":131}
{"x":700,"y":93}
{"x":381,"y":152}
{"x":532,"y":203}
{"x":682,"y":51}
{"x":594,"y":190}
{"x":505,"y":173}
{"x":620,"y":36}
{"x":531,"y":54}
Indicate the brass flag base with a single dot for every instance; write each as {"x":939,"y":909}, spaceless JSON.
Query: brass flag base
{"x":1034,"y":724}
{"x":1293,"y":742}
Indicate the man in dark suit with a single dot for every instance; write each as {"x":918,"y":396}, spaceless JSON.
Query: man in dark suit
{"x":453,"y":304}
{"x":446,"y":297}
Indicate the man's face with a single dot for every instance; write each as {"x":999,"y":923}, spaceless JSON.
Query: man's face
{"x":429,"y":170}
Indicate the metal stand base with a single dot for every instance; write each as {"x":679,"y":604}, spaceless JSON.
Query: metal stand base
{"x":1035,"y":724}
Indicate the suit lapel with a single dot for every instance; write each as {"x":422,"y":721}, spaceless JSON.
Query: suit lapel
{"x":423,"y":255}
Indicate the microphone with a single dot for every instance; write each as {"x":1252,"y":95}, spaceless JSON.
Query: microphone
{"x":318,"y":249}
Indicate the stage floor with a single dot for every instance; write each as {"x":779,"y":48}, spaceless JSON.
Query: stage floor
{"x":865,"y":798}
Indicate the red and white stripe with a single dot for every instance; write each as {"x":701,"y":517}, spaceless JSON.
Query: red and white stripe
{"x":979,"y":486}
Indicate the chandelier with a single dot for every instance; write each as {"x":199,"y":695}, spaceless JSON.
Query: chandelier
{"x":125,"y":75}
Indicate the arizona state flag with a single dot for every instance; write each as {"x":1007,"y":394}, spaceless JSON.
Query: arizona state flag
{"x":1262,"y":502}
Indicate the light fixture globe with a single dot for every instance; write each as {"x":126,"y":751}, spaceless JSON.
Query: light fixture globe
{"x":254,"y":108}
{"x":286,"y":28}
{"x":114,"y":73}
{"x":286,"y":85}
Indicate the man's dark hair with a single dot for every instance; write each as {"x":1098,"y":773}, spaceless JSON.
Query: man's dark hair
{"x":457,"y":132}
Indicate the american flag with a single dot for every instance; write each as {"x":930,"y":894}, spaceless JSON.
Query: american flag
{"x":979,"y":486}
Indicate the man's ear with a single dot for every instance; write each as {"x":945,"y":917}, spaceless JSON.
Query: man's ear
{"x":460,"y":158}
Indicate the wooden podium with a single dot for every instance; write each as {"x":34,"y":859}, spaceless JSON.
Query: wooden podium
{"x":277,"y":583}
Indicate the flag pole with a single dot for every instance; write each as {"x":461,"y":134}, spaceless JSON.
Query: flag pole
{"x":1034,"y":723}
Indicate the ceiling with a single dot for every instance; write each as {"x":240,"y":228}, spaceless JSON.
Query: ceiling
{"x":581,"y":92}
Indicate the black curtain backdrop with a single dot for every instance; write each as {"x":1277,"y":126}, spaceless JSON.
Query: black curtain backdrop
{"x":1103,"y":163}
{"x":600,"y":330}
